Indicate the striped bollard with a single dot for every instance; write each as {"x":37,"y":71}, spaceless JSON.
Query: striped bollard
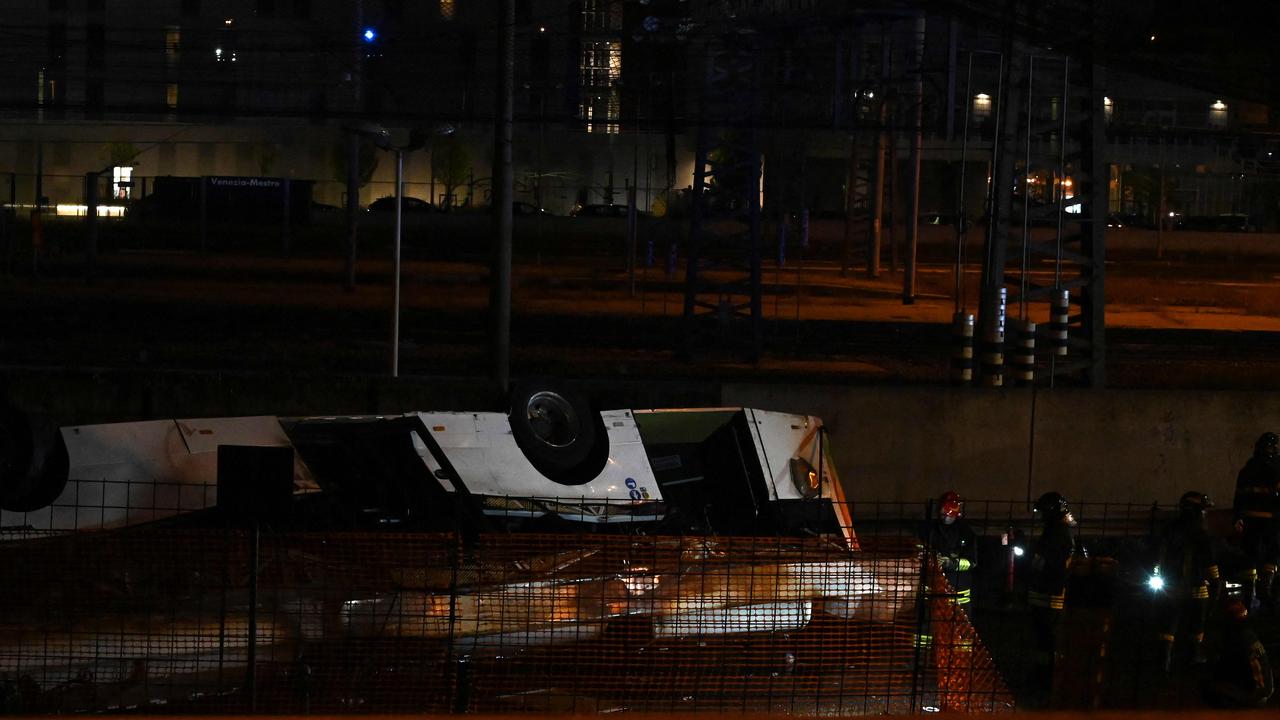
{"x":992,"y":356}
{"x":1024,"y":353}
{"x":1059,"y":319}
{"x":962,"y":348}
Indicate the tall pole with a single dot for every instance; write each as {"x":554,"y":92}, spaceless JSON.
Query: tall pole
{"x":500,"y":274}
{"x":353,"y":207}
{"x":917,"y":148}
{"x":876,"y":224}
{"x":353,"y":150}
{"x":91,"y":222}
{"x":39,"y":203}
{"x":395,"y":268}
{"x":990,"y":304}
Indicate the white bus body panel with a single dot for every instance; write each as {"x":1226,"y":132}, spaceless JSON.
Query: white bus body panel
{"x":127,"y":473}
{"x":484,"y":452}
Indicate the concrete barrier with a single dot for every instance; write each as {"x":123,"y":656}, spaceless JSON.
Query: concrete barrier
{"x":1122,"y":446}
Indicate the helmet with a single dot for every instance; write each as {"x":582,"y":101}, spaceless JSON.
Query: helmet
{"x":1194,"y":501}
{"x":1052,"y":506}
{"x":1268,"y":444}
{"x":951,"y":505}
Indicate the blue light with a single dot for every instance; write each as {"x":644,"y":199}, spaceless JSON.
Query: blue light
{"x":369,"y":35}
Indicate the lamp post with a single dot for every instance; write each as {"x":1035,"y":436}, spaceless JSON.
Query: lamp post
{"x":381,"y":137}
{"x":395,"y":269}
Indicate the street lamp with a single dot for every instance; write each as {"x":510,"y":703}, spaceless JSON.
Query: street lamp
{"x":381,"y":138}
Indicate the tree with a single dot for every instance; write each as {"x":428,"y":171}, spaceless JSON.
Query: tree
{"x":268,"y":153}
{"x":451,"y":166}
{"x":368,"y":161}
{"x":121,"y":153}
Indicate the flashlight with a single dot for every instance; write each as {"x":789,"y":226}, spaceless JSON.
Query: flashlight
{"x":1155,"y":582}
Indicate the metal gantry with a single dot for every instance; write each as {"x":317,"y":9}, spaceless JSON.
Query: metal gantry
{"x":1048,"y":200}
{"x":722,"y":300}
{"x":1042,"y":139}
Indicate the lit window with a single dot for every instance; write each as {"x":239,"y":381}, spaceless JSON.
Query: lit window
{"x":981,"y":107}
{"x":447,"y":9}
{"x":171,"y":96}
{"x":601,"y":16}
{"x":1218,"y":114}
{"x":122,"y":180}
{"x":172,"y":44}
{"x":599,"y":73}
{"x":1108,"y":107}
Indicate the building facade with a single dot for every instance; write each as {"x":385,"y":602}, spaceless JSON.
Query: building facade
{"x":609,"y":94}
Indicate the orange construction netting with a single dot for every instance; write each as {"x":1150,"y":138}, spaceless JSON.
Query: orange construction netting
{"x":220,"y":620}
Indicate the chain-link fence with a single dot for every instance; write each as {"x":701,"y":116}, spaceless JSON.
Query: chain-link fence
{"x":196,"y":617}
{"x":233,"y":620}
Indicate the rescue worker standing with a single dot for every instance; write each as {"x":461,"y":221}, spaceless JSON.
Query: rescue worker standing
{"x":1047,"y":588}
{"x":1242,"y":676}
{"x":1187,"y":575}
{"x":954,"y":544}
{"x":1257,"y":501}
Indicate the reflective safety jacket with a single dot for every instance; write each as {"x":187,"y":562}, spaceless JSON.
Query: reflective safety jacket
{"x":959,"y":544}
{"x":1049,"y":566}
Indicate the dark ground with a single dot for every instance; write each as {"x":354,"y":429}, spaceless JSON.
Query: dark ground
{"x":1173,"y":324}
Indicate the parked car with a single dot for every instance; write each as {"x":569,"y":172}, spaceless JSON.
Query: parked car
{"x":1129,"y":220}
{"x":1225,"y":222}
{"x":523,"y":208}
{"x":410,"y":205}
{"x":599,"y":211}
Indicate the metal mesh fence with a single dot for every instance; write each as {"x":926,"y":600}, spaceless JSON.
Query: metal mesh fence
{"x":231,"y":620}
{"x":209,"y":619}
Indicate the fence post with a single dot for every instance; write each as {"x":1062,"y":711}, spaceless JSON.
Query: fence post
{"x":204,"y":213}
{"x":922,"y":610}
{"x":10,"y":222}
{"x":631,"y":236}
{"x":91,"y":222}
{"x":251,"y":672}
{"x":457,"y":676}
{"x":6,"y":234}
{"x":286,"y":218}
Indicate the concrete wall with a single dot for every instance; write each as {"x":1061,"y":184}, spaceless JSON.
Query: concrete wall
{"x":1114,"y":446}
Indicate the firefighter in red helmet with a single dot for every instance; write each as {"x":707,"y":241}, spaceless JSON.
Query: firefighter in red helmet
{"x":955,"y":546}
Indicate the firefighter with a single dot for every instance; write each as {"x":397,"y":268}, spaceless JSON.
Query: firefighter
{"x":1186,"y":575}
{"x":1242,"y":677}
{"x":954,"y":544}
{"x":1047,"y":587}
{"x":1257,"y":501}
